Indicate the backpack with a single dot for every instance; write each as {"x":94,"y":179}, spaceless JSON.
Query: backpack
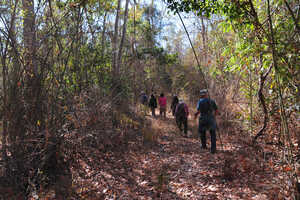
{"x":180,"y":111}
{"x":207,"y":106}
{"x":144,"y":99}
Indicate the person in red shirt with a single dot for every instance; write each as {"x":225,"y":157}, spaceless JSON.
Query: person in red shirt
{"x":162,"y":101}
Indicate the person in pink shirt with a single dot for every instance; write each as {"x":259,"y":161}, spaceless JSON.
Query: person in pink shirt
{"x":162,"y":101}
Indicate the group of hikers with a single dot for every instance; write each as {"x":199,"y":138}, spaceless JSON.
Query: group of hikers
{"x":206,"y":107}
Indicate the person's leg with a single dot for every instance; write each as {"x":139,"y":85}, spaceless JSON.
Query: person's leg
{"x":202,"y":133}
{"x":153,"y":111}
{"x":213,"y":140}
{"x":185,"y":124}
{"x":203,"y":138}
{"x":165,"y":113}
{"x":178,"y":123}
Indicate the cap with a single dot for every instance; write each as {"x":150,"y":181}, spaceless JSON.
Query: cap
{"x":203,"y":92}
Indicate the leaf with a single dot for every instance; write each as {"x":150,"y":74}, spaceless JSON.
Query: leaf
{"x":287,"y":168}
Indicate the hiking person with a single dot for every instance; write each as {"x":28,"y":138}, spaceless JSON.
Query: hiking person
{"x":181,"y":115}
{"x":144,"y":103}
{"x":153,"y":104}
{"x":144,"y":98}
{"x":174,"y":104}
{"x":162,"y":101}
{"x":207,"y":109}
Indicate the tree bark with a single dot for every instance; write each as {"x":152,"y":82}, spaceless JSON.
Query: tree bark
{"x":32,"y":82}
{"x":4,"y":111}
{"x":115,"y":66}
{"x":262,"y":101}
{"x":103,"y":37}
{"x":203,"y":32}
{"x":124,"y":33}
{"x":274,"y":58}
{"x":295,"y":20}
{"x":10,"y":41}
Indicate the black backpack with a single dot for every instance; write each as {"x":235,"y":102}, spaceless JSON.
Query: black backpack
{"x":180,"y":110}
{"x":207,"y":107}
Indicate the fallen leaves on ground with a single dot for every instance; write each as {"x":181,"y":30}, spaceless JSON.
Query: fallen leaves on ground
{"x":175,"y":167}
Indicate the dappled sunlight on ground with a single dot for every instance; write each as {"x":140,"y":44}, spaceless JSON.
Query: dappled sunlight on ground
{"x":174,"y":167}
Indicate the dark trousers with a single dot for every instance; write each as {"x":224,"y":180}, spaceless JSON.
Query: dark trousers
{"x":153,"y":111}
{"x":212,"y":139}
{"x":182,"y":121}
{"x":162,"y":112}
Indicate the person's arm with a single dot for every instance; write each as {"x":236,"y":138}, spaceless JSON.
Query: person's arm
{"x":196,"y":114}
{"x":215,"y":108}
{"x":186,"y":110}
{"x":216,"y":112}
{"x":176,"y":109}
{"x":198,"y":110}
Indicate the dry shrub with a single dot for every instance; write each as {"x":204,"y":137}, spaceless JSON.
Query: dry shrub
{"x":51,"y":159}
{"x":149,"y":135}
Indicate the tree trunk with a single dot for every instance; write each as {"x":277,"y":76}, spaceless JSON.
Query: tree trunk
{"x":203,"y":33}
{"x":295,"y":19}
{"x":277,"y":74}
{"x":115,"y":66}
{"x":10,"y":41}
{"x":124,"y":33}
{"x":262,"y":101}
{"x":32,"y":82}
{"x":4,"y":112}
{"x":116,"y":85}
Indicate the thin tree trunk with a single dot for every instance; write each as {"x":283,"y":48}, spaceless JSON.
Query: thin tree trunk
{"x":262,"y":101}
{"x":116,"y":85}
{"x":77,"y":49}
{"x":11,"y":40}
{"x":295,"y":20}
{"x":30,"y":62}
{"x":251,"y":101}
{"x":4,"y":117}
{"x":274,"y":58}
{"x":124,"y":33}
{"x":115,"y":66}
{"x":203,"y":32}
{"x":103,"y":37}
{"x":134,"y":29}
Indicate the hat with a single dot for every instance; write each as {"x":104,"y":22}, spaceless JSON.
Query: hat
{"x":203,"y":92}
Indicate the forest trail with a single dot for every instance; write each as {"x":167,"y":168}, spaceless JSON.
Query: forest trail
{"x":194,"y":173}
{"x":174,"y":167}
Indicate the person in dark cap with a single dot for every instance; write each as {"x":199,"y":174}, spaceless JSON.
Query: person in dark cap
{"x":207,"y":109}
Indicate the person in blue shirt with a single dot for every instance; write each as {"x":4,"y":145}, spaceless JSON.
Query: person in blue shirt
{"x":207,"y":109}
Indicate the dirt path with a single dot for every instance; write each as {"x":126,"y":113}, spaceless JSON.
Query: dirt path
{"x":194,"y":173}
{"x":174,"y":167}
{"x":171,"y":167}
